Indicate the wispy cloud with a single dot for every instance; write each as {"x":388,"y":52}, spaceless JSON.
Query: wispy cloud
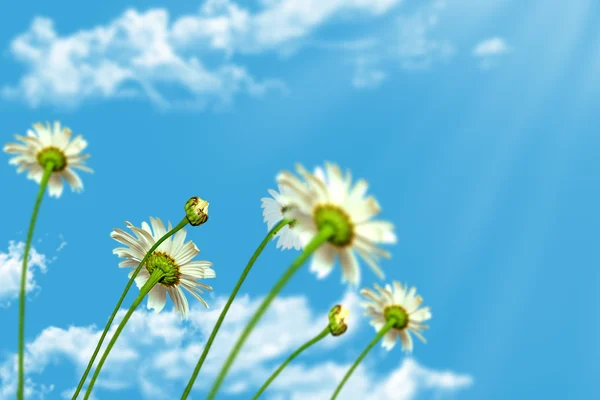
{"x":63,"y":242}
{"x":189,"y":61}
{"x":168,"y":350}
{"x":409,"y":43}
{"x":10,"y":271}
{"x":488,"y":50}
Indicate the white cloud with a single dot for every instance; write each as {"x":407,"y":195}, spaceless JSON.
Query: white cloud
{"x":132,"y":56}
{"x":491,"y":47}
{"x":405,"y":382}
{"x":488,"y":50}
{"x":10,"y":271}
{"x":168,"y":349}
{"x":145,"y":55}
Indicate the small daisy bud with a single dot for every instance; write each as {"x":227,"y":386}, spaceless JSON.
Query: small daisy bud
{"x":196,"y":211}
{"x":337,"y":320}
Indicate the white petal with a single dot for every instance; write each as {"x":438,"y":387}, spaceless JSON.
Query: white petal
{"x":323,"y":260}
{"x":141,"y":278}
{"x":377,"y":231}
{"x":76,"y":146}
{"x":350,"y":267}
{"x":407,"y":344}
{"x":157,"y":298}
{"x":389,"y":339}
{"x":180,"y":302}
{"x":36,"y":173}
{"x":73,"y":179}
{"x":422,"y":314}
{"x":43,"y":132}
{"x":55,"y":185}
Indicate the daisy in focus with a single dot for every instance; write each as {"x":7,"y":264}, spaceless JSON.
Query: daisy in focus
{"x":329,"y":198}
{"x":173,"y":256}
{"x":275,"y":208}
{"x":402,"y":304}
{"x":46,"y":144}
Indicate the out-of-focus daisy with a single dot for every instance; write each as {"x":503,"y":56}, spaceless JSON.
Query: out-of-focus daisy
{"x":329,"y":198}
{"x":401,"y":303}
{"x":44,"y":144}
{"x":275,"y":209}
{"x":173,"y":256}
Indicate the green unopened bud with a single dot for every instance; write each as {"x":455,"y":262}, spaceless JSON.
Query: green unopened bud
{"x":196,"y":211}
{"x":337,"y":320}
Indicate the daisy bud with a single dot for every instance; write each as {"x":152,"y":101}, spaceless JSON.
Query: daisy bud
{"x":337,"y":320}
{"x":196,"y":211}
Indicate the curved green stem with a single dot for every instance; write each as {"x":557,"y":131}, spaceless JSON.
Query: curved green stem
{"x":380,"y":334}
{"x":305,"y":346}
{"x":183,"y":223}
{"x":156,"y":276}
{"x":47,"y":172}
{"x":324,"y":234}
{"x":259,"y":250}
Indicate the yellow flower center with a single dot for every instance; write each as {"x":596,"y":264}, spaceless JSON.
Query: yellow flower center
{"x":165,"y":263}
{"x":399,"y":314}
{"x":329,"y":214}
{"x":54,"y":155}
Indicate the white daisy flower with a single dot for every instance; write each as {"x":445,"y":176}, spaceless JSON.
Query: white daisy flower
{"x":401,"y":303}
{"x":274,"y":210}
{"x":328,"y":198}
{"x":50,"y":144}
{"x":172,"y":256}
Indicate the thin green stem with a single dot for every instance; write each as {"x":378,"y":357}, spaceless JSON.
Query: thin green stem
{"x":156,"y":276}
{"x":305,"y":346}
{"x":324,"y":234}
{"x":47,"y":172}
{"x":390,"y":323}
{"x":259,"y":250}
{"x":183,"y":223}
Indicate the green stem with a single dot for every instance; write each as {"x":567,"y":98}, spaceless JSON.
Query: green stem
{"x":156,"y":276}
{"x":305,"y":346}
{"x":47,"y":172}
{"x":324,"y":234}
{"x":183,"y":223}
{"x":390,"y":323}
{"x":259,"y":250}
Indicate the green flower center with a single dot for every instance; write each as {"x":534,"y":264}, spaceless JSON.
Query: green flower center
{"x":166,"y":264}
{"x":398,"y":313}
{"x":329,"y":214}
{"x":54,"y":155}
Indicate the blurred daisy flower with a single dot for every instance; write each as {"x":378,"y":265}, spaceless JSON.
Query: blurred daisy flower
{"x":400,"y":303}
{"x":328,"y":198}
{"x":275,"y":209}
{"x":46,"y":144}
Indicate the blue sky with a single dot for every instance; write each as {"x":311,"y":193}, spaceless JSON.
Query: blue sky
{"x":475,"y":124}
